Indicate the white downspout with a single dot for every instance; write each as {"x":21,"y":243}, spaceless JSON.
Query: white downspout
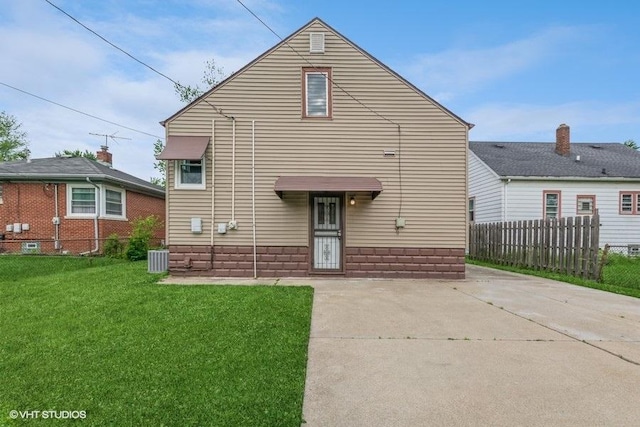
{"x":233,"y":170}
{"x":213,"y":178}
{"x":56,"y":227}
{"x":95,"y":218}
{"x":505,"y":200}
{"x":253,"y":197}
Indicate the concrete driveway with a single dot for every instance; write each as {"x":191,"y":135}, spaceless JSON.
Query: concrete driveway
{"x":495,"y":349}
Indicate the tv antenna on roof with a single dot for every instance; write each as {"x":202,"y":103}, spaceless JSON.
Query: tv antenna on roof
{"x":106,"y":137}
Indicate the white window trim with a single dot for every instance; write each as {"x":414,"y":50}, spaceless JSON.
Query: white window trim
{"x":102,"y":205}
{"x":180,"y":186}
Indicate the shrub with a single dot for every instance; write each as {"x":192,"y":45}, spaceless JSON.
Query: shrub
{"x":113,"y":247}
{"x":142,"y":232}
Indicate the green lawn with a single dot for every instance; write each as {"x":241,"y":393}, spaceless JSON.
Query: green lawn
{"x":104,"y":338}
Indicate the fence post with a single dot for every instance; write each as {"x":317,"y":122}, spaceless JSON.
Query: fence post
{"x":603,"y":261}
{"x":595,"y":245}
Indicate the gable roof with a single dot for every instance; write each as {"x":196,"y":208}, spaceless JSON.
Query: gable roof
{"x":539,"y":159}
{"x":73,"y":169}
{"x":285,"y":42}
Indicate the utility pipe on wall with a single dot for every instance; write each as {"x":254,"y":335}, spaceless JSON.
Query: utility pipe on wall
{"x":233,"y":169}
{"x":253,"y":196}
{"x":56,"y":227}
{"x":95,"y":218}
{"x":213,"y":179}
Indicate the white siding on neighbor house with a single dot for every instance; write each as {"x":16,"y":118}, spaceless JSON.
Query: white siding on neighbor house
{"x":525,"y":201}
{"x":487,"y":189}
{"x":432,"y":143}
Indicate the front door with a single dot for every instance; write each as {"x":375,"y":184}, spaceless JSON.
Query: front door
{"x":327,"y":233}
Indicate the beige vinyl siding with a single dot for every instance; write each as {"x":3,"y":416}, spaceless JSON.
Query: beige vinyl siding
{"x":433,"y":147}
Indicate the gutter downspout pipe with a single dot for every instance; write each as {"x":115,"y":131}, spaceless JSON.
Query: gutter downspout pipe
{"x":253,"y":196}
{"x":233,"y":170}
{"x":56,"y":226}
{"x":95,"y":220}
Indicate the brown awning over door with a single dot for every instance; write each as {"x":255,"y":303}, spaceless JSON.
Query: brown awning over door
{"x":184,"y":148}
{"x":328,"y":184}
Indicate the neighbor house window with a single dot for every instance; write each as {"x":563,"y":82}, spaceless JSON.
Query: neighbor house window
{"x":190,"y":174}
{"x":83,"y":200}
{"x":1,"y":201}
{"x":586,"y":205}
{"x":316,"y":92}
{"x":472,"y":208}
{"x":114,"y":202}
{"x":551,"y":204}
{"x":630,"y":202}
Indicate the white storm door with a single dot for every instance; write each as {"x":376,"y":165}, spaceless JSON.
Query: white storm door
{"x":327,"y":233}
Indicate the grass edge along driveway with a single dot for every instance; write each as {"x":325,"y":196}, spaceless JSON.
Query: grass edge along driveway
{"x":106,"y":339}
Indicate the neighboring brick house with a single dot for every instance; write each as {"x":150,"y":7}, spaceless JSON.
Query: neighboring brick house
{"x":64,"y":204}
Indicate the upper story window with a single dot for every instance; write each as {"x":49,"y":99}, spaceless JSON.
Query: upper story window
{"x":472,"y":209}
{"x":551,"y":207}
{"x":316,"y":92}
{"x":630,"y":202}
{"x":586,"y":205}
{"x":190,"y":174}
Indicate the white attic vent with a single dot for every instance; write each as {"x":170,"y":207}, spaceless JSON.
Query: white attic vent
{"x":316,"y":42}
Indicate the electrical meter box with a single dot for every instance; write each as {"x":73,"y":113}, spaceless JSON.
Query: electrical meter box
{"x":196,"y":225}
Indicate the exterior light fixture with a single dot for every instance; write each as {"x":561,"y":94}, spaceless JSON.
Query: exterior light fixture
{"x":352,"y":200}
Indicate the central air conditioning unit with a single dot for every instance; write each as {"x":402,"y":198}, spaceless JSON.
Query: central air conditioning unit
{"x":633,"y":250}
{"x":158,"y":261}
{"x":31,"y":247}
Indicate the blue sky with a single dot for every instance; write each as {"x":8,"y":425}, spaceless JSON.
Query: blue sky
{"x":514,"y":69}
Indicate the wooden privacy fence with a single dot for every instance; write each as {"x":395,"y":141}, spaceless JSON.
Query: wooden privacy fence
{"x":565,"y":245}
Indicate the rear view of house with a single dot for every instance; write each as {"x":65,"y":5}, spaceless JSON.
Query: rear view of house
{"x":511,"y":181}
{"x":316,"y":158}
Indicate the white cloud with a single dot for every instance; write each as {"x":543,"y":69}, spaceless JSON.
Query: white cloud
{"x":589,"y":121}
{"x":53,"y":57}
{"x":452,"y":73}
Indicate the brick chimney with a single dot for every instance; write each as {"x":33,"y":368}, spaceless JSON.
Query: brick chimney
{"x":104,"y":156}
{"x":563,"y":140}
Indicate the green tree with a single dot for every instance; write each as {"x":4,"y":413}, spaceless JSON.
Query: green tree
{"x":159,"y":165}
{"x":212,"y":76}
{"x":13,"y":141}
{"x":77,"y":153}
{"x":143,"y":230}
{"x":631,"y":144}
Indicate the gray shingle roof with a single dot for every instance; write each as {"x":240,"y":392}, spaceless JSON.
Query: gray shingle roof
{"x":73,"y":169}
{"x":539,"y":159}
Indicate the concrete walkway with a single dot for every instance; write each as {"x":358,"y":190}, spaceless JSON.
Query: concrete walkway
{"x":496,"y":349}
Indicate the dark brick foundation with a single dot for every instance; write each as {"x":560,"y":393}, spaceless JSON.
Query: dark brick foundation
{"x":293,"y":261}
{"x":406,"y":263}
